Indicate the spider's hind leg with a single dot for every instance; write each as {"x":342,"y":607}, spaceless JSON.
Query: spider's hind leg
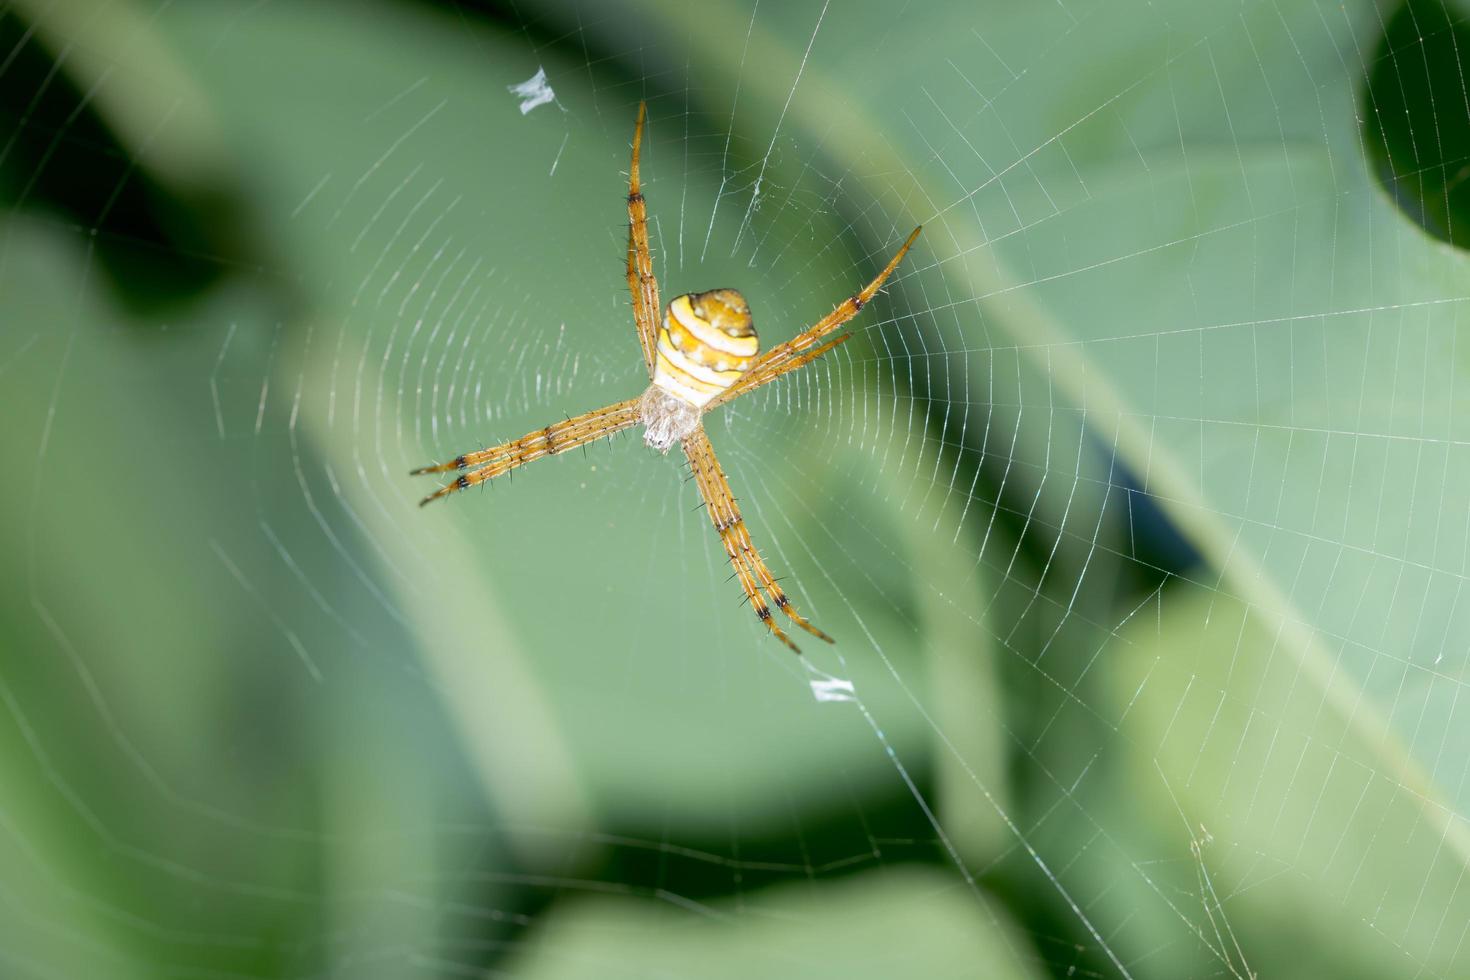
{"x":750,"y":568}
{"x":778,"y":597}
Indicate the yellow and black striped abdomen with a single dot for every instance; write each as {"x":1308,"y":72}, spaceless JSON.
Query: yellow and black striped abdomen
{"x":706,"y":342}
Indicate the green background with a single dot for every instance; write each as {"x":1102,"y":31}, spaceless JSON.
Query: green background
{"x":1137,"y":505}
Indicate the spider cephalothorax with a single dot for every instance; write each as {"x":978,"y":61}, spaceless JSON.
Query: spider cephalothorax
{"x":704,"y":353}
{"x":666,"y":418}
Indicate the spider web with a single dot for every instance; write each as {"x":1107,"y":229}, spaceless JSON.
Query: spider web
{"x":1134,"y":505}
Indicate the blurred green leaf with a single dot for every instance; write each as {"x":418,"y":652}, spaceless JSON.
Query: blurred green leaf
{"x":1282,"y":819}
{"x":901,"y":922}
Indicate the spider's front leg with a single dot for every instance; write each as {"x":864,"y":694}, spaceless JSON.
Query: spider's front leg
{"x":802,"y":349}
{"x":642,"y":284}
{"x":750,"y":568}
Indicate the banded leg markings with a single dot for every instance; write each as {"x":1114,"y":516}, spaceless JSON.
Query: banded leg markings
{"x":750,"y":567}
{"x":786,"y":356}
{"x":642,"y":285}
{"x":550,"y":441}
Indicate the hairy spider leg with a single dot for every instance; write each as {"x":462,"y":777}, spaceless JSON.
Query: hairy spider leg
{"x":556,"y":438}
{"x":787,"y":356}
{"x":642,"y":284}
{"x":750,"y":568}
{"x":800,"y":360}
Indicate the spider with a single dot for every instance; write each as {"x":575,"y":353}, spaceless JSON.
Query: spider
{"x":704,"y":354}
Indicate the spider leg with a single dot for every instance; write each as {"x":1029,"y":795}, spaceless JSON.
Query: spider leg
{"x":487,"y":464}
{"x":790,"y":364}
{"x":749,"y":567}
{"x":642,"y":284}
{"x":779,"y":359}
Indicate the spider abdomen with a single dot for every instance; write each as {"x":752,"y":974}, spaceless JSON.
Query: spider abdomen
{"x":706,"y":342}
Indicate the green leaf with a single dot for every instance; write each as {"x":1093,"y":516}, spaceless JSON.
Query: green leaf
{"x":1274,"y":817}
{"x":903,"y":922}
